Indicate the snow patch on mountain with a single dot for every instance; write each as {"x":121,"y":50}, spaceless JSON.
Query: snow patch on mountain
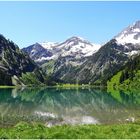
{"x":76,"y":47}
{"x":41,"y":59}
{"x":48,"y":45}
{"x":130,"y":38}
{"x":132,"y":53}
{"x":129,"y":35}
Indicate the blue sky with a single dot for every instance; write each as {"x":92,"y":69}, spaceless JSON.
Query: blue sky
{"x":28,"y":22}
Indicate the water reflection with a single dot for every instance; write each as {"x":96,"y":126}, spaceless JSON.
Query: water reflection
{"x":72,"y":106}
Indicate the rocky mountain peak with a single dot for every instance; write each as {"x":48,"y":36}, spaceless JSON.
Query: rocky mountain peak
{"x":130,"y":35}
{"x":76,"y":40}
{"x":136,"y":24}
{"x":75,"y":47}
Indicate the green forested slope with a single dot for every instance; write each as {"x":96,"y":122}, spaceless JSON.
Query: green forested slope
{"x":128,"y":77}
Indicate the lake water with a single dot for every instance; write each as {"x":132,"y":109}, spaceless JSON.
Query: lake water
{"x":54,"y":106}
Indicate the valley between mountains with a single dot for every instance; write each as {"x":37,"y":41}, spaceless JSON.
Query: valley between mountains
{"x":74,"y":61}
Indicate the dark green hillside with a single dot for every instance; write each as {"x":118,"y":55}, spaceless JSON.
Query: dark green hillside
{"x":14,"y":63}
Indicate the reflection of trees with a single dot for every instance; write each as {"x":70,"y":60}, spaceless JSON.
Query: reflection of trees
{"x":126,"y":98}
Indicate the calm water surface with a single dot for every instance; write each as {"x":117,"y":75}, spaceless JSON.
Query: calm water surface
{"x":54,"y":106}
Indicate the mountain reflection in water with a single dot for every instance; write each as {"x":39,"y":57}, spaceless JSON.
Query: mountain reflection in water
{"x":68,"y":106}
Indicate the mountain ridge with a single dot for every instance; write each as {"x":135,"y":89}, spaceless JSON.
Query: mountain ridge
{"x":78,"y":61}
{"x":100,"y":66}
{"x":75,"y":46}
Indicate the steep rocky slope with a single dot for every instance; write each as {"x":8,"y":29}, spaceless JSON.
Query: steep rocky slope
{"x":13,"y":62}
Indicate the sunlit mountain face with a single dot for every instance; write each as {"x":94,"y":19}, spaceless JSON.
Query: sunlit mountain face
{"x":75,"y":47}
{"x":76,"y":60}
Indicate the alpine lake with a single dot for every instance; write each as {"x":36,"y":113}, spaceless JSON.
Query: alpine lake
{"x":58,"y":106}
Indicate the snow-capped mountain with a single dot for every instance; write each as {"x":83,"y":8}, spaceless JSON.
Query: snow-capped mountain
{"x":37,"y":52}
{"x":78,"y":60}
{"x":129,"y":38}
{"x":75,"y":47}
{"x":100,"y":66}
{"x":130,"y":35}
{"x":71,"y":47}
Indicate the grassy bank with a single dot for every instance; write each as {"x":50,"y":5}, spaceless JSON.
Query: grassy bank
{"x":24,"y":130}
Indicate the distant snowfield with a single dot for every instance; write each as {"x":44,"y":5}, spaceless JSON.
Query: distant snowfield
{"x":75,"y":46}
{"x":130,"y":35}
{"x":130,"y":38}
